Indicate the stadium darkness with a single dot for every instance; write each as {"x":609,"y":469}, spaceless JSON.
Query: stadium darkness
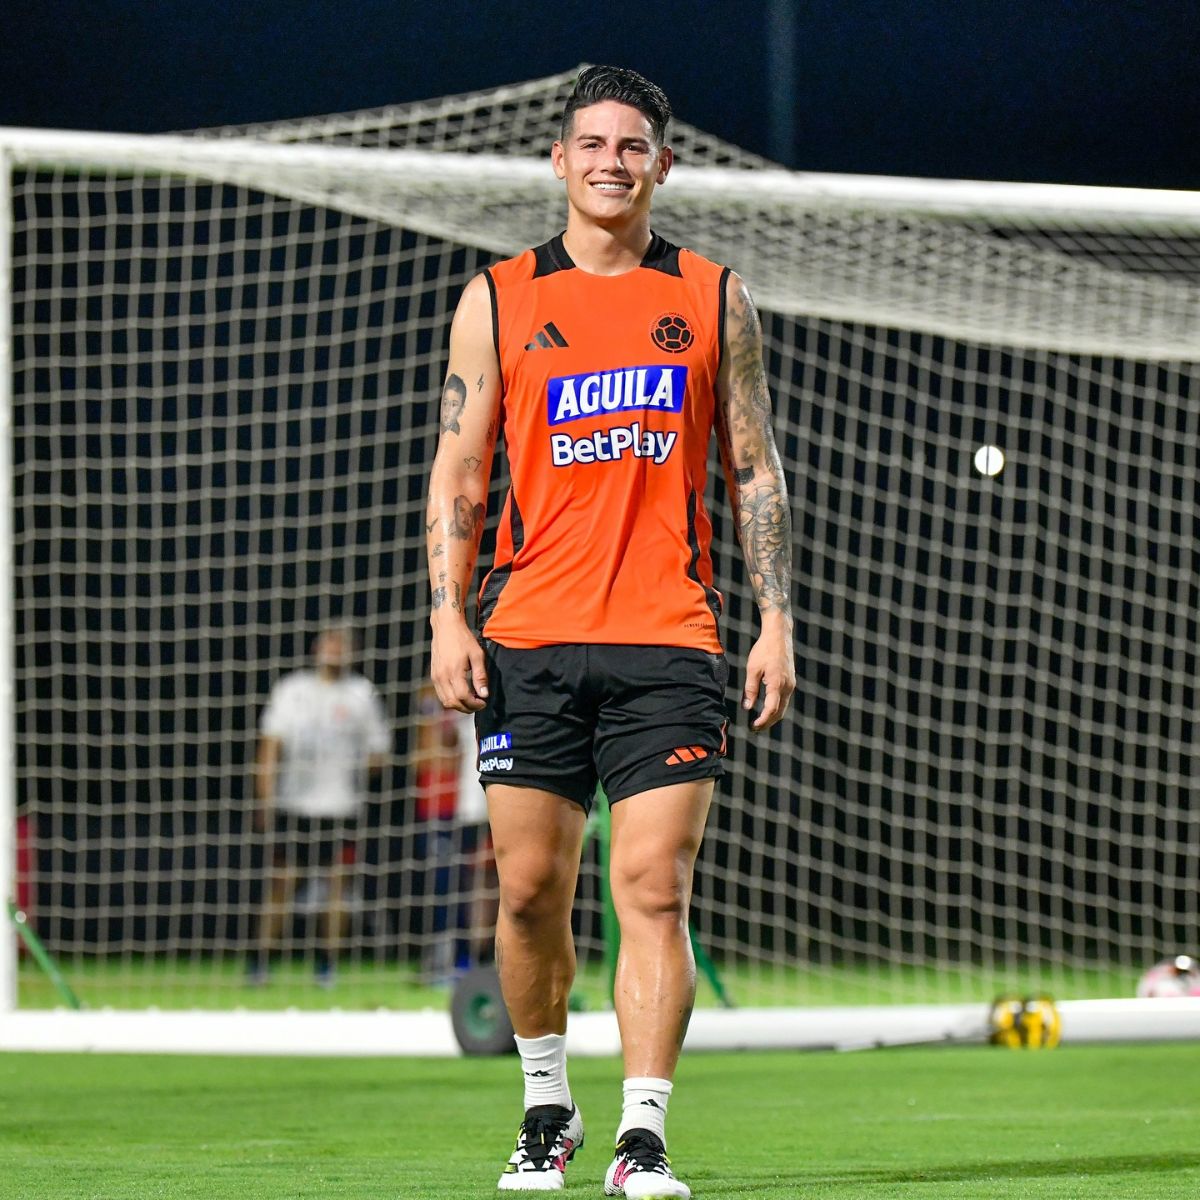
{"x":1060,"y":91}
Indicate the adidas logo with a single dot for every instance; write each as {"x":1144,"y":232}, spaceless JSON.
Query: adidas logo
{"x":685,"y":754}
{"x":547,"y":338}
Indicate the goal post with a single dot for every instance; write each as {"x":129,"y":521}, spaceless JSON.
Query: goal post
{"x":8,"y":803}
{"x":221,"y":354}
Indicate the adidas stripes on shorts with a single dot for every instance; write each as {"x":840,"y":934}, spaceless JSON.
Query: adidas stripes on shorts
{"x":559,"y":718}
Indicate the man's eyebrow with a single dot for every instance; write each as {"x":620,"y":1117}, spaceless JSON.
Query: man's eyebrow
{"x":599,"y":137}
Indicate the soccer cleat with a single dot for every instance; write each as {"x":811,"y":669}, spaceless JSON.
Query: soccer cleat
{"x":546,"y":1142}
{"x":642,"y":1170}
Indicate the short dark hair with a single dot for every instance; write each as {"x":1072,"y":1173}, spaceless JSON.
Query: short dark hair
{"x":597,"y":84}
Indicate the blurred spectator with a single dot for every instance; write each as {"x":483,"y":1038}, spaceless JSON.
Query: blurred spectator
{"x":457,"y":879}
{"x":322,"y":732}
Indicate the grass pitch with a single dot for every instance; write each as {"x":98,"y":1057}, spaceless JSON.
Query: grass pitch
{"x":1079,"y":1121}
{"x":220,"y":984}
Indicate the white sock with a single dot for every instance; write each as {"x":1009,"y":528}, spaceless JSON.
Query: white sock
{"x":544,"y":1062}
{"x":645,"y":1106}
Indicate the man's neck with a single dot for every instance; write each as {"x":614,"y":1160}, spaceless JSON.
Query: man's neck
{"x":604,"y":250}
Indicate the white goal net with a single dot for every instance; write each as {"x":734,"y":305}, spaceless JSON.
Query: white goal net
{"x":224,"y":352}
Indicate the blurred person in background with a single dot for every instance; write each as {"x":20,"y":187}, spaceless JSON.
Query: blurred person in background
{"x":455,"y":878}
{"x":323,"y":732}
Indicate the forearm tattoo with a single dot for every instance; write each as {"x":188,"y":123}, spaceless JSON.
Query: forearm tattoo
{"x":467,"y":524}
{"x":439,"y":597}
{"x":766,"y":533}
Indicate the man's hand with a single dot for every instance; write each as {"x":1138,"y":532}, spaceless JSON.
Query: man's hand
{"x":771,"y":669}
{"x":458,"y":671}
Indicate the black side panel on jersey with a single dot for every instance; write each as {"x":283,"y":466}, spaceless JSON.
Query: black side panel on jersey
{"x":498,"y":576}
{"x":495,"y":312}
{"x":662,"y":256}
{"x":722,"y":304}
{"x":711,"y":596}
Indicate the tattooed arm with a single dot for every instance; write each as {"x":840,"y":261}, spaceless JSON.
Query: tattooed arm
{"x":760,"y":503}
{"x":458,"y":485}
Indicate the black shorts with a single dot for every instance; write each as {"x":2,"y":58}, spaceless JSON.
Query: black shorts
{"x":559,"y":718}
{"x":305,"y":842}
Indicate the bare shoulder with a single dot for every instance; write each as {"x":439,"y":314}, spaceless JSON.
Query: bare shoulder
{"x":474,"y":312}
{"x":741,"y":315}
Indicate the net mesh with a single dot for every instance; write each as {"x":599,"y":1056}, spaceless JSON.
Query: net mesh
{"x":226,"y":372}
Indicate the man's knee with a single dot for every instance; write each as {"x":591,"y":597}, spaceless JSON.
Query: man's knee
{"x":656,"y":891}
{"x":536,"y":892}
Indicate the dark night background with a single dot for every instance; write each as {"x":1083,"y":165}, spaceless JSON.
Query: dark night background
{"x":1055,"y":91}
{"x":1069,"y":91}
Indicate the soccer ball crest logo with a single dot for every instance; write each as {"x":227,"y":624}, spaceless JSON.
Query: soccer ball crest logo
{"x":672,"y":333}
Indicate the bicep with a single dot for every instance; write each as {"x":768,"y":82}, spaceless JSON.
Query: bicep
{"x":743,"y":401}
{"x":470,"y":402}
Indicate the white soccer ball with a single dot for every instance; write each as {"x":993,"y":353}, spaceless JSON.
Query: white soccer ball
{"x":1178,"y":976}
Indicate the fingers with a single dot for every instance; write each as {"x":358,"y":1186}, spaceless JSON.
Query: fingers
{"x":777,"y":685}
{"x":479,"y":679}
{"x":754,"y":675}
{"x":774,"y":706}
{"x":460,"y":678}
{"x":460,"y":691}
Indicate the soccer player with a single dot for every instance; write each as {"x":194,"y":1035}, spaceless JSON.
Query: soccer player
{"x":321,"y":732}
{"x":607,"y":356}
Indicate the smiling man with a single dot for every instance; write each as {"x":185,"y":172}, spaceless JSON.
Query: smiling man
{"x":607,"y":356}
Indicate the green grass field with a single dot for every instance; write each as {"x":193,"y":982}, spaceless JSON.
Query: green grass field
{"x":1108,"y":1121}
{"x":143,"y":982}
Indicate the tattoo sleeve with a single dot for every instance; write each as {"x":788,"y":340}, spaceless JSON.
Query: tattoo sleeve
{"x":747,"y":441}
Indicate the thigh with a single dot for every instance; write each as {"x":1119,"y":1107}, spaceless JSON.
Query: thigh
{"x":535,"y":731}
{"x":662,"y":719}
{"x":537,"y":837}
{"x":656,"y":834}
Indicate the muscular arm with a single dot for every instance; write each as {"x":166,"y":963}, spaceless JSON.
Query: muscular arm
{"x":760,"y":503}
{"x":458,"y":486}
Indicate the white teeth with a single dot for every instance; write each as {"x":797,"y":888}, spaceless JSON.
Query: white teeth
{"x":612,"y":187}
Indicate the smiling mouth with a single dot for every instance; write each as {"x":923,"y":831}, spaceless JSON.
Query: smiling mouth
{"x":611,"y":186}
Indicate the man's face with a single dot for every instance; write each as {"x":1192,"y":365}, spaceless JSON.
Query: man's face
{"x":611,"y":162}
{"x":332,"y":651}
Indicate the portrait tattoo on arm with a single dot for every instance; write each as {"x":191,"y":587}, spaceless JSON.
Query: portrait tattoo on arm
{"x":454,"y":399}
{"x":760,"y":503}
{"x":467,"y":524}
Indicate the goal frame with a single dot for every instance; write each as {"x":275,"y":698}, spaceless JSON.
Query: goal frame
{"x":248,"y":162}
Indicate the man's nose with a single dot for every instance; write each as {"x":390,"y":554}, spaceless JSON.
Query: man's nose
{"x":615,"y":160}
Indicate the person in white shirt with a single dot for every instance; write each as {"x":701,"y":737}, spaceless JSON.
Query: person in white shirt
{"x":322,"y":732}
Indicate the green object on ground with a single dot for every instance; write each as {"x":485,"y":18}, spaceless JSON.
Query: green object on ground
{"x":42,"y":956}
{"x":708,"y":969}
{"x":1116,"y":1122}
{"x":609,"y":925}
{"x":600,"y":826}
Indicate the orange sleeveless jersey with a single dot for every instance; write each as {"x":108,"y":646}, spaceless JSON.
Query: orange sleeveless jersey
{"x":608,"y":407}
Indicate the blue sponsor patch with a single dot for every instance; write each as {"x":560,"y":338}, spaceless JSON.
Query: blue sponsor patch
{"x":494,"y":742}
{"x":574,"y":397}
